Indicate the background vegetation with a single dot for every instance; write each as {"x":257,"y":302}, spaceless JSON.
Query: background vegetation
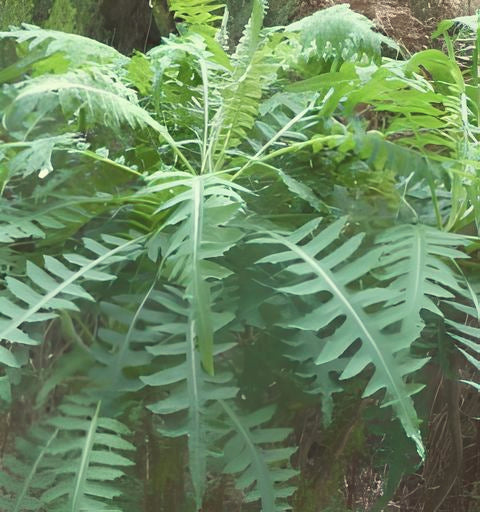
{"x":238,"y":276}
{"x":133,"y":24}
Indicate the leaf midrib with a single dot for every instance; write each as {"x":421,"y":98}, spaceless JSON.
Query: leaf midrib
{"x":267,"y":497}
{"x":361,"y":322}
{"x":46,"y":298}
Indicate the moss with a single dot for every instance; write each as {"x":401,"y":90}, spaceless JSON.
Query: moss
{"x":15,"y":13}
{"x":90,"y":20}
{"x":64,"y":15}
{"x":76,"y":17}
{"x":79,"y":17}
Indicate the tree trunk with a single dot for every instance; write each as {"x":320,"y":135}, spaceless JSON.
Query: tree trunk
{"x":126,"y":24}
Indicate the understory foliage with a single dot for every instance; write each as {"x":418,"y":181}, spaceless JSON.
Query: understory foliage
{"x":197,"y":245}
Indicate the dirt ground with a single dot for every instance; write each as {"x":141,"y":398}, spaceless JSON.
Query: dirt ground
{"x":395,"y":18}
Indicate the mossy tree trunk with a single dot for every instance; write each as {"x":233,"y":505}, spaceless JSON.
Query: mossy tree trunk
{"x":126,"y":24}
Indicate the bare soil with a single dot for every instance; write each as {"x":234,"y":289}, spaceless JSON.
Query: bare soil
{"x":395,"y":18}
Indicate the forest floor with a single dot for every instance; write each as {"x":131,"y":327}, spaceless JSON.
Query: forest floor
{"x":395,"y":18}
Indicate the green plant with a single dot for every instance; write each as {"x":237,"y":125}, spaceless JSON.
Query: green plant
{"x":68,"y":462}
{"x":209,"y":234}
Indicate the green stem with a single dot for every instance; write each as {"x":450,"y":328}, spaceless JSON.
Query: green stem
{"x":291,"y":148}
{"x":206,"y":155}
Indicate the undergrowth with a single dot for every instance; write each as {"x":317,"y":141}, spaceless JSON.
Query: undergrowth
{"x":200,"y":246}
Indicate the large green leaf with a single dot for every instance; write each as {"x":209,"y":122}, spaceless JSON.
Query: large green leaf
{"x":75,"y":468}
{"x":75,"y":48}
{"x":191,"y":389}
{"x":339,"y":33}
{"x":204,"y":206}
{"x":102,"y":98}
{"x":321,"y":263}
{"x":52,"y":288}
{"x":254,"y":68}
{"x":263,"y":470}
{"x":414,"y":259}
{"x":81,"y":476}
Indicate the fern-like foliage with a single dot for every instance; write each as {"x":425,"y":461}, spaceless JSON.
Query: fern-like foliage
{"x":203,"y":210}
{"x":41,"y":51}
{"x":177,"y":93}
{"x":102,"y":99}
{"x":190,"y":389}
{"x":18,"y":223}
{"x":76,"y":50}
{"x":338,"y":33}
{"x":465,"y":334}
{"x":414,"y":260}
{"x":304,"y":348}
{"x":121,"y":343}
{"x":324,"y":265}
{"x":207,"y":415}
{"x":54,"y":287}
{"x":262,"y":471}
{"x":251,"y":37}
{"x":198,"y":14}
{"x":37,"y":155}
{"x":160,"y":240}
{"x":69,"y":462}
{"x":242,"y":98}
{"x":254,"y":69}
